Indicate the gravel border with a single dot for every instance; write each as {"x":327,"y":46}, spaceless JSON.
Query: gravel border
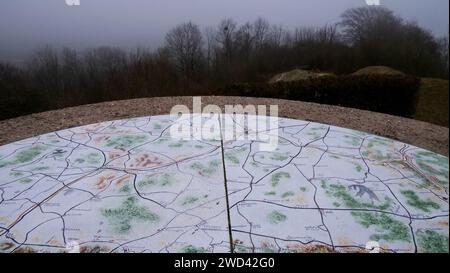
{"x":418,"y":133}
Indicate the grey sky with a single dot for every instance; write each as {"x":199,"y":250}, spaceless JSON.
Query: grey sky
{"x":27,"y":24}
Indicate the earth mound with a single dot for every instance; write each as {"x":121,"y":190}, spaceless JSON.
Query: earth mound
{"x":298,"y":74}
{"x":378,"y":70}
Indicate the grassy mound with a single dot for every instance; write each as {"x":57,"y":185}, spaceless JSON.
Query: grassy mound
{"x":378,"y":70}
{"x":298,"y":74}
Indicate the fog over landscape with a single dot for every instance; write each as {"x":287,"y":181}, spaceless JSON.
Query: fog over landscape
{"x":28,"y":24}
{"x":235,"y":127}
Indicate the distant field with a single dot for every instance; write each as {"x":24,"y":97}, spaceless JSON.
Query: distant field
{"x":433,"y":101}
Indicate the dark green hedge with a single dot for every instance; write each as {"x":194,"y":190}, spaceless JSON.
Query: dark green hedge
{"x":392,"y":94}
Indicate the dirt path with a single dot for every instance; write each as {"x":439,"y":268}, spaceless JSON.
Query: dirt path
{"x":421,"y":134}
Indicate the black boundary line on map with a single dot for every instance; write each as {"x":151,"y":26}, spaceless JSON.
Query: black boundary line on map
{"x":230,"y":233}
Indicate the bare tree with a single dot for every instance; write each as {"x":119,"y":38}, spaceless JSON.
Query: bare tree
{"x":443,"y":50}
{"x":245,"y":39}
{"x":71,"y":73}
{"x":106,"y":68}
{"x":105,"y":60}
{"x":365,"y":23}
{"x":261,"y":29}
{"x":225,"y":37}
{"x":210,"y":35}
{"x":276,"y":35}
{"x":184,"y":43}
{"x":45,"y":70}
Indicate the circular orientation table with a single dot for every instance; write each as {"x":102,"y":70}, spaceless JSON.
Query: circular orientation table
{"x":129,"y":186}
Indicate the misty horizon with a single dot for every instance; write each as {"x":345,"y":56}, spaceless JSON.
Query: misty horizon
{"x":26,"y":25}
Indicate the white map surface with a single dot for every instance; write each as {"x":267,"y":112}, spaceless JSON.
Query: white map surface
{"x":127,"y":186}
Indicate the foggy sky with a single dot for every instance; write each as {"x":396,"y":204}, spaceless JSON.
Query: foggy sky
{"x":28,"y":24}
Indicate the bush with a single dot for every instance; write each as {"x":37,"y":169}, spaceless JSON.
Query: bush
{"x":16,"y":96}
{"x":391,"y":94}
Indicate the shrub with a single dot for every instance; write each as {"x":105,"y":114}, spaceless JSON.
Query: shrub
{"x":16,"y":95}
{"x":391,"y":94}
